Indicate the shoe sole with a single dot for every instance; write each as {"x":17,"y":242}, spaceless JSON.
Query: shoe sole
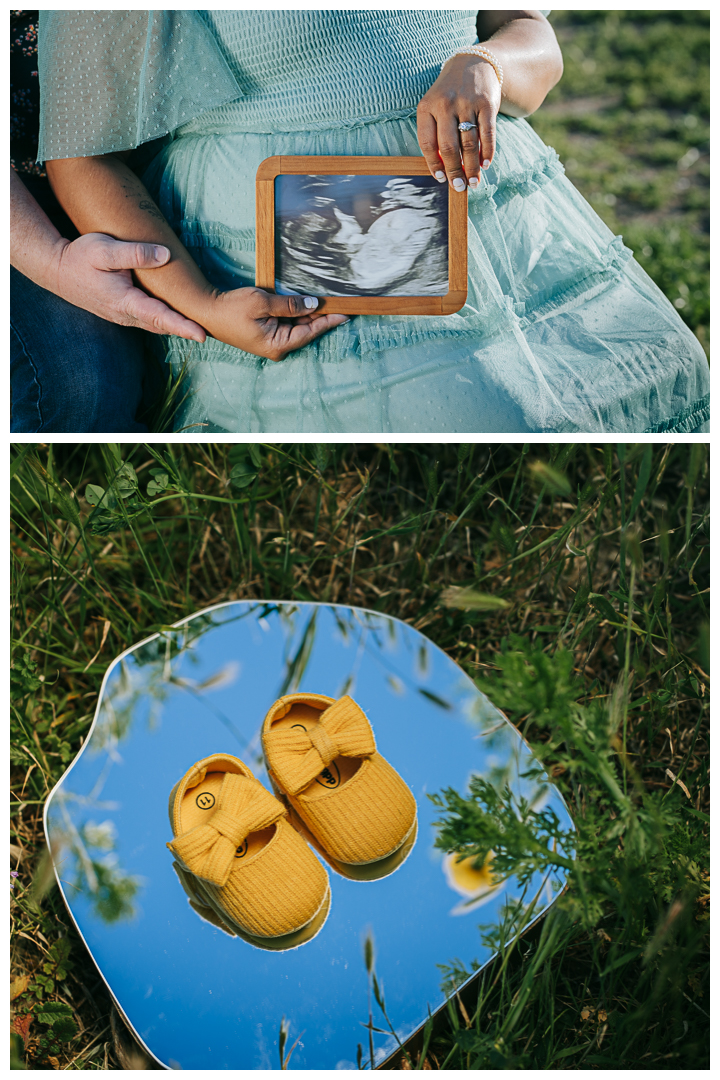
{"x":293,"y":940}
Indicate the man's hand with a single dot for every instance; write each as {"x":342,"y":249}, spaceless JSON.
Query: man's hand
{"x":94,"y":272}
{"x":265,"y":324}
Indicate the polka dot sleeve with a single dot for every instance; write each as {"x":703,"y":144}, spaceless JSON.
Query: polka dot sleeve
{"x":112,"y":80}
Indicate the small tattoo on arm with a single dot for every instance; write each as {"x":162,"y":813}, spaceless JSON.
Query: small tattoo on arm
{"x":145,"y":204}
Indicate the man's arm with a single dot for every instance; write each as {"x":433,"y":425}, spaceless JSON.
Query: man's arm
{"x":102,"y":193}
{"x":92,"y":272}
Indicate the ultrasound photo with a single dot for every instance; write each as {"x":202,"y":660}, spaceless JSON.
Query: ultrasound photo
{"x":361,"y":235}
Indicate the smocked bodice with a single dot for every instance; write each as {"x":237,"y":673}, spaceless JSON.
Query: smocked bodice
{"x":301,"y":69}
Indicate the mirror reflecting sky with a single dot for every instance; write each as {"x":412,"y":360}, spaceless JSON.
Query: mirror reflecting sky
{"x":198,"y":998}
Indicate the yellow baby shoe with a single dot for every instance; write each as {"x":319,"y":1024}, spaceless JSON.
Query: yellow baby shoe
{"x":344,"y":796}
{"x":242,"y":858}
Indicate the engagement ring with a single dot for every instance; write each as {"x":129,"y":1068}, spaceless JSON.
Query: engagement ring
{"x":466,"y":126}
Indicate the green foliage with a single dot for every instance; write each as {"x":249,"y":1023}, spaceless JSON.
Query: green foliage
{"x":491,"y":820}
{"x":59,"y":1017}
{"x":17,"y":1051}
{"x":55,"y":969}
{"x":58,"y":963}
{"x":115,"y":891}
{"x":159,"y":483}
{"x":620,"y":836}
{"x":56,"y":1017}
{"x":577,"y":595}
{"x":282,"y":1041}
{"x":23,"y":677}
{"x":634,"y":857}
{"x":243,"y":474}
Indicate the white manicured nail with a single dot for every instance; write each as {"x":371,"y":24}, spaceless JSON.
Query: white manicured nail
{"x":441,"y":177}
{"x":473,"y":181}
{"x":310,"y":302}
{"x":459,"y":183}
{"x":486,"y":164}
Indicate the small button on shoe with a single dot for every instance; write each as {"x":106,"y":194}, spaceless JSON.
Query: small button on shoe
{"x":238,"y":855}
{"x":343,"y":795}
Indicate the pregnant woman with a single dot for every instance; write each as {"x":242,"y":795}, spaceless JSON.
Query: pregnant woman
{"x":562,"y":330}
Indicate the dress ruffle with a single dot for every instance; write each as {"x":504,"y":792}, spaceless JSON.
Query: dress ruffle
{"x":562,"y":330}
{"x":692,"y":420}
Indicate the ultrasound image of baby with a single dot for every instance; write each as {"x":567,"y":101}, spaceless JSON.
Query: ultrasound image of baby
{"x":361,"y":235}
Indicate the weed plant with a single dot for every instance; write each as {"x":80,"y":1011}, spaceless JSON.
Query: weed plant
{"x":570,"y":581}
{"x":630,"y":120}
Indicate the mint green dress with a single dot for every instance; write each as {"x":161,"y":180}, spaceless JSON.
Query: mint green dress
{"x":562,"y":330}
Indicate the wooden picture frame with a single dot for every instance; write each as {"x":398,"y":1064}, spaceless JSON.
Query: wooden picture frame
{"x":268,"y":240}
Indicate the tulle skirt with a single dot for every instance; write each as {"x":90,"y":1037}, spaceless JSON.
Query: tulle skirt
{"x":562,"y":330}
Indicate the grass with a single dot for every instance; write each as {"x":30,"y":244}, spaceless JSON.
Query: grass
{"x":571,"y":581}
{"x":630,"y":120}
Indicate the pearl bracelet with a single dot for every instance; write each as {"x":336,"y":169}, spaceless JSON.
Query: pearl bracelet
{"x":483,"y":53}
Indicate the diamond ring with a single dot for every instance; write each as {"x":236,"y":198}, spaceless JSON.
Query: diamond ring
{"x":466,"y":126}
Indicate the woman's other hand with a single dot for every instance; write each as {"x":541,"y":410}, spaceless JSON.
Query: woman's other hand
{"x":467,"y":90}
{"x":94,"y":272}
{"x":266,"y":324}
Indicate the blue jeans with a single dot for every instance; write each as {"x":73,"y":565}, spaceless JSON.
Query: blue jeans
{"x":72,"y":371}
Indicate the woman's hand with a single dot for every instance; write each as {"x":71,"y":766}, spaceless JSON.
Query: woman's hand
{"x":265,"y":324}
{"x":467,"y":90}
{"x":103,"y":189}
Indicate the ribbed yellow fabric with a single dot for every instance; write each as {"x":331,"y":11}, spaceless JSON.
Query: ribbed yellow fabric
{"x":244,"y":806}
{"x":274,"y":892}
{"x":298,"y":756}
{"x":364,"y":819}
{"x":369,"y":815}
{"x":277,"y":891}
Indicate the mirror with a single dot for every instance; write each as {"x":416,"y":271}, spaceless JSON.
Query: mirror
{"x":199,"y":998}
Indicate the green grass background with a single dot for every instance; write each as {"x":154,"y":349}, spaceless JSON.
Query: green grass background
{"x":630,"y":120}
{"x":571,"y":581}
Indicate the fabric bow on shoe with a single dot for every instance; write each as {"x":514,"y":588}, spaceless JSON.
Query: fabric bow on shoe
{"x":343,"y":730}
{"x":243,"y":807}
